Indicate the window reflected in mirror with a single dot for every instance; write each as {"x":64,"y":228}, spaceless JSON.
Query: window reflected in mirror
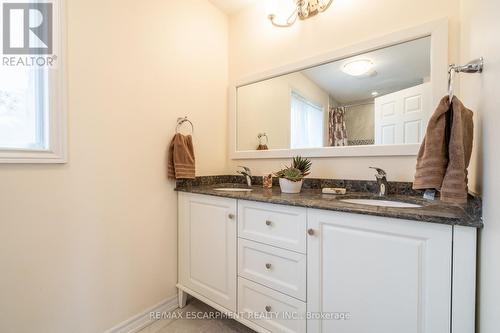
{"x":307,"y":122}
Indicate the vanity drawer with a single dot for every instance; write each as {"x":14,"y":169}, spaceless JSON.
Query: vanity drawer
{"x":277,"y":225}
{"x":276,"y":312}
{"x":279,"y":269}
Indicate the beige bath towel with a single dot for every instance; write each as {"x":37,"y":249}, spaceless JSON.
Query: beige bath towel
{"x":181,"y":161}
{"x":442,"y":165}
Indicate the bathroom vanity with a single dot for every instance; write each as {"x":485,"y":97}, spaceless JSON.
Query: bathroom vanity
{"x":312,"y":263}
{"x":321,"y":263}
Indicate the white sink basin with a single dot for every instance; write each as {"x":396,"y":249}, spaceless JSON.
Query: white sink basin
{"x":233,"y":189}
{"x":381,"y":203}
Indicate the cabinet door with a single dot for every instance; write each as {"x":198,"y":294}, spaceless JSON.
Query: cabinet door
{"x":370,"y":274}
{"x":207,"y":247}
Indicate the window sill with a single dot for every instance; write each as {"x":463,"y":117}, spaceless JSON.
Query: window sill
{"x":33,"y":157}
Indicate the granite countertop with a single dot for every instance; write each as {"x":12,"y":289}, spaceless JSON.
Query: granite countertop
{"x":311,"y":197}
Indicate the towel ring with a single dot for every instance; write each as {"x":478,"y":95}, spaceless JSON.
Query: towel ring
{"x":263,"y":135}
{"x":181,"y":121}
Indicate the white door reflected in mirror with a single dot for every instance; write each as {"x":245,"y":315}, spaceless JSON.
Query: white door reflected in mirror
{"x":402,"y":117}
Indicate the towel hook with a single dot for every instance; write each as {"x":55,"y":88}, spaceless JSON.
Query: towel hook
{"x":451,"y":71}
{"x":181,"y":121}
{"x":474,"y":66}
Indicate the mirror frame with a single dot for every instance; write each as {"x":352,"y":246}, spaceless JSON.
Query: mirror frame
{"x":437,"y":30}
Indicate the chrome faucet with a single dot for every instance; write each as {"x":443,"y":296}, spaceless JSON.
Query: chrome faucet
{"x":247,"y":173}
{"x":381,"y":181}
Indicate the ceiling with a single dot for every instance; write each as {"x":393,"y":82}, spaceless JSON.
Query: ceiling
{"x":232,"y":6}
{"x":397,"y":67}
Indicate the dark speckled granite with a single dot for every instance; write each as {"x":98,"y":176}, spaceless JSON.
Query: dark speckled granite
{"x":402,"y":188}
{"x":311,"y":197}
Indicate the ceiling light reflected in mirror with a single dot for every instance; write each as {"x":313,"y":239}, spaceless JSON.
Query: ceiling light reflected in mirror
{"x":359,"y":67}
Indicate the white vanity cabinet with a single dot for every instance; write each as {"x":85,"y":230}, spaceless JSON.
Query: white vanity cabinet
{"x":306,"y":270}
{"x":378,"y":274}
{"x":272,"y":266}
{"x":207,"y":249}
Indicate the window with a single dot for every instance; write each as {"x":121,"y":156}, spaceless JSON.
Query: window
{"x":32,"y":119}
{"x":23,"y":108}
{"x":306,"y":123}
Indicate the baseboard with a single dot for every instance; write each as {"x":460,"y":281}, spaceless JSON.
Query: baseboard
{"x":143,"y":319}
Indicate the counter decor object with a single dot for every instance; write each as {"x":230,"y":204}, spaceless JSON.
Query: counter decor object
{"x":292,"y":178}
{"x":336,"y":191}
{"x":291,"y":187}
{"x":267,"y":181}
{"x":263,"y":145}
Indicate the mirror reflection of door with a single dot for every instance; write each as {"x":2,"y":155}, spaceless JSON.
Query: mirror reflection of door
{"x":401,"y":117}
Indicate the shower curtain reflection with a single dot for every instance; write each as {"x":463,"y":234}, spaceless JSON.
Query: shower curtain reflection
{"x":337,"y":129}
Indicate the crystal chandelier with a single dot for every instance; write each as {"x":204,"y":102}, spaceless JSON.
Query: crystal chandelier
{"x":304,"y":9}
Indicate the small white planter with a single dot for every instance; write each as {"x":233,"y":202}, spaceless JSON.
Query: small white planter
{"x":287,"y":186}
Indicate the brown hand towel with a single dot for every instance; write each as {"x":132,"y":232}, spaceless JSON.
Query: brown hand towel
{"x":454,"y":188}
{"x":442,"y":165}
{"x":181,"y":161}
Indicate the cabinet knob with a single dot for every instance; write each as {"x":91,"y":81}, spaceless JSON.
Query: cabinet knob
{"x":268,"y":223}
{"x":310,"y":232}
{"x":268,"y":308}
{"x":268,"y":266}
{"x":231,"y":216}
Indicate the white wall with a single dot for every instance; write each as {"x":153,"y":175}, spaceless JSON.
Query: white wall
{"x":480,"y":27}
{"x":265,"y":107}
{"x":86,"y":245}
{"x":256,"y":46}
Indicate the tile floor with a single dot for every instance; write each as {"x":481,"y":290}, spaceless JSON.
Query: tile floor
{"x":183,"y":325}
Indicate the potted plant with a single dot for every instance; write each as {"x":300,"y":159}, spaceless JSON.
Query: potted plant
{"x":292,"y":177}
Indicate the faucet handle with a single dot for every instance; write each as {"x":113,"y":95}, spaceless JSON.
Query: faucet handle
{"x":381,"y":172}
{"x":245,"y":172}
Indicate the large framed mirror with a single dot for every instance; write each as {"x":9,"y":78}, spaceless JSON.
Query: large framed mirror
{"x":371,"y":99}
